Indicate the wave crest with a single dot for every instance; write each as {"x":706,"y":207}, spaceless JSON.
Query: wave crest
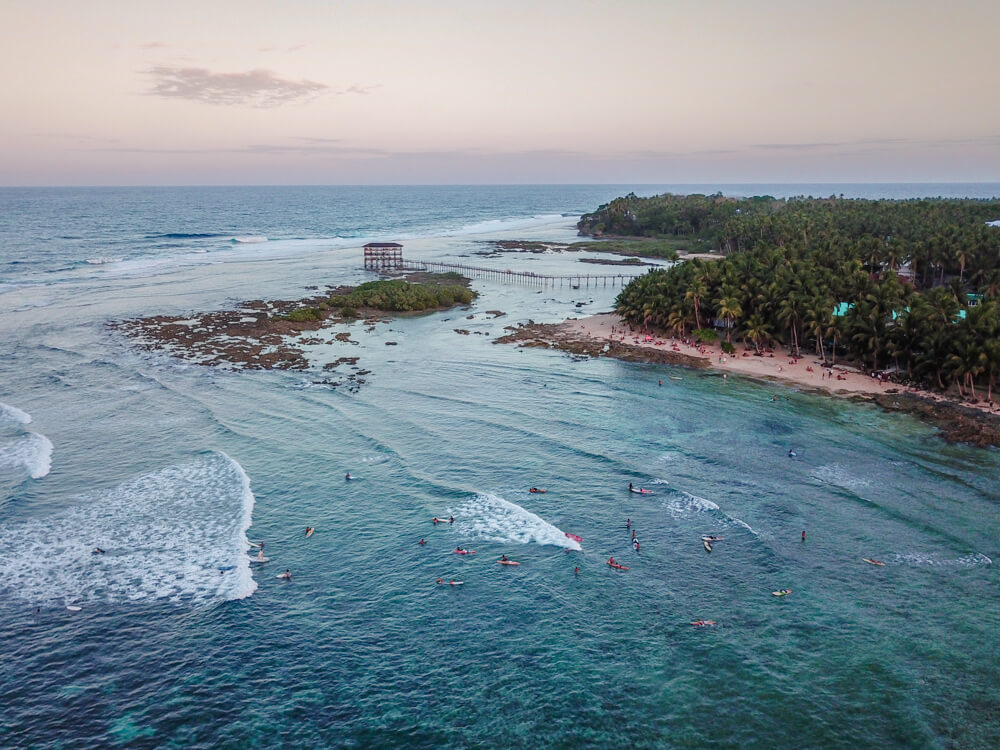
{"x":489,"y":516}
{"x":165,"y":536}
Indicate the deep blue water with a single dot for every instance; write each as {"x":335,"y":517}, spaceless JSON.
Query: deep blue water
{"x":170,"y":467}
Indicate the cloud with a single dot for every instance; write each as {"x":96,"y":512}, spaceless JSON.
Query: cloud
{"x":363,"y":90}
{"x":307,"y":147}
{"x":254,"y":88}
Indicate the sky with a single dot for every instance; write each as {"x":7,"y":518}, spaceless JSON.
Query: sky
{"x":218,"y":92}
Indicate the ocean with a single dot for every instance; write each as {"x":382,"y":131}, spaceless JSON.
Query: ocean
{"x":171,"y":638}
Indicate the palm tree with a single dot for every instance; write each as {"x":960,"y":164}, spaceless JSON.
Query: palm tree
{"x":729,"y":310}
{"x":756,"y":330}
{"x":695,"y":292}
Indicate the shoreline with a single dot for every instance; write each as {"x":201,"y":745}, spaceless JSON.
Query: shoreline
{"x":606,"y":335}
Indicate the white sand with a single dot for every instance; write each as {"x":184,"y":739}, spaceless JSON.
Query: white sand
{"x":779,"y":366}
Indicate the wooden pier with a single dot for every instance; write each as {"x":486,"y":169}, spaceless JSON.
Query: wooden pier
{"x":576,"y":281}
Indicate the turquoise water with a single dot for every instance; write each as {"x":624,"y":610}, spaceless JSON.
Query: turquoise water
{"x":170,"y":467}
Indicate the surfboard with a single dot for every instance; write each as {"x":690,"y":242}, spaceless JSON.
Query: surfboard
{"x":464,"y":551}
{"x":711,"y":539}
{"x":574,"y":537}
{"x":252,"y":544}
{"x":783,"y":592}
{"x":226,"y":567}
{"x":708,"y":546}
{"x":873,"y":561}
{"x":259,"y":561}
{"x":640,"y":492}
{"x":73,"y":608}
{"x":508,"y":562}
{"x":282,"y":575}
{"x":617,"y":566}
{"x":310,"y":533}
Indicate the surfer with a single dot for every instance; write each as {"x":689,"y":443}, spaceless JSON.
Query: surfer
{"x":791,"y":453}
{"x":97,"y":551}
{"x":611,"y":561}
{"x":260,"y":554}
{"x":635,"y":544}
{"x":287,"y":575}
{"x":421,"y":542}
{"x":628,"y":523}
{"x":503,"y":558}
{"x":347,"y":476}
{"x":576,"y":571}
{"x":309,"y":530}
{"x":451,"y":519}
{"x":437,"y":520}
{"x":803,"y":535}
{"x":630,"y":485}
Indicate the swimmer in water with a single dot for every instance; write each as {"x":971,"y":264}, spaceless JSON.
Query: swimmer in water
{"x":287,"y":575}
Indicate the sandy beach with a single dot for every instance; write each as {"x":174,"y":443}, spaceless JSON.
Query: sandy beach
{"x":606,"y":334}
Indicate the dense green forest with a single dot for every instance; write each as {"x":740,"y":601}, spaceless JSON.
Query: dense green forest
{"x":911,"y":286}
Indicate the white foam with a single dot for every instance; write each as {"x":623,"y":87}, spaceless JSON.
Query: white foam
{"x":251,"y":240}
{"x":28,"y":455}
{"x":489,"y":516}
{"x":102,"y":261}
{"x":840,"y":476}
{"x":165,"y":536}
{"x":975,"y":560}
{"x":13,"y":414}
{"x":685,"y":502}
{"x":491,"y":226}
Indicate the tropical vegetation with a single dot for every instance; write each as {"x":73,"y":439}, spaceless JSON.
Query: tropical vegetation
{"x":909,"y":286}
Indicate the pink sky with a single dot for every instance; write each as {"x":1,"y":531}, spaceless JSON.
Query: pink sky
{"x":322,"y":92}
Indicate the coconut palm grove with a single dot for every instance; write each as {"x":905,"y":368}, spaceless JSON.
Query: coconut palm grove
{"x":908,"y":287}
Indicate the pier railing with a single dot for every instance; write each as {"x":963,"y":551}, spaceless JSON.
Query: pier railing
{"x":521,"y":277}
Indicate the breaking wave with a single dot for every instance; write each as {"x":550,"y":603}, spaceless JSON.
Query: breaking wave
{"x":489,"y":516}
{"x":23,"y":454}
{"x":177,"y":534}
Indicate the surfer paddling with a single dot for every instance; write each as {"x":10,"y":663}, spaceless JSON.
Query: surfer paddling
{"x":287,"y":575}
